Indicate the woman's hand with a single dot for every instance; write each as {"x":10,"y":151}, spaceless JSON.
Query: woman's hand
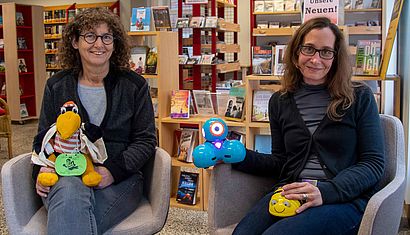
{"x":303,"y":191}
{"x":107,"y":178}
{"x":41,"y":190}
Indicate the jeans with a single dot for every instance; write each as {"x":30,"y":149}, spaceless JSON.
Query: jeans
{"x":343,"y":218}
{"x":74,"y":208}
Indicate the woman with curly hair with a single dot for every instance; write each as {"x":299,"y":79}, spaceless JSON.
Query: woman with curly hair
{"x":327,"y":143}
{"x":113,"y":101}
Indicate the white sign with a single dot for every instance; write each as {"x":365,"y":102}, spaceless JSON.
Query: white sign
{"x":321,"y":8}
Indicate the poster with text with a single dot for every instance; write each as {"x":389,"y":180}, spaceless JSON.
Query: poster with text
{"x":314,"y":8}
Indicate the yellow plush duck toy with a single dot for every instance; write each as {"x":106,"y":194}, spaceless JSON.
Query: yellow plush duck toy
{"x":66,"y":148}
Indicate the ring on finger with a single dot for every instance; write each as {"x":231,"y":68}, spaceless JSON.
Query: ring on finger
{"x":305,"y":197}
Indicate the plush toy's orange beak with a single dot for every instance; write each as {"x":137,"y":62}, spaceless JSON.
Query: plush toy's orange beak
{"x":67,"y":124}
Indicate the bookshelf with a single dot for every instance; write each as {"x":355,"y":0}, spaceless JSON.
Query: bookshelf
{"x":210,"y":41}
{"x":24,"y":75}
{"x":55,"y":18}
{"x":357,"y":24}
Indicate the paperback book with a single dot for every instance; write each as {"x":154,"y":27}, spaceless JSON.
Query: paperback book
{"x":180,"y":102}
{"x":262,"y":60}
{"x":236,"y":104}
{"x":138,"y":59}
{"x":140,"y":19}
{"x":187,"y":188}
{"x":187,"y":144}
{"x":279,"y":65}
{"x":260,"y":105}
{"x":152,"y":60}
{"x":182,"y":23}
{"x":368,"y":54}
{"x":161,"y":17}
{"x":203,"y":102}
{"x":22,"y":67}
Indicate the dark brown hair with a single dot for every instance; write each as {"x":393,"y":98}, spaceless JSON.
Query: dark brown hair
{"x":69,"y":57}
{"x":338,"y":80}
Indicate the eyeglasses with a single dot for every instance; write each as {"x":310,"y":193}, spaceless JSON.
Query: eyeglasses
{"x":325,"y":54}
{"x":91,"y":38}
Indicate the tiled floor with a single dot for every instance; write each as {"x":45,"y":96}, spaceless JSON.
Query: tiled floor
{"x":179,"y":221}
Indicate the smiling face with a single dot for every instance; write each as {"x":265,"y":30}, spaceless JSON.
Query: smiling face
{"x":95,"y":55}
{"x":313,"y":68}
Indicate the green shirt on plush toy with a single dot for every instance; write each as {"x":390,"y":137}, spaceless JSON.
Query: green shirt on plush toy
{"x":71,"y":148}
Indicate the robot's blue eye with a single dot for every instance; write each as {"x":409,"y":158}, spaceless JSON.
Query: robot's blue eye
{"x":217,"y":129}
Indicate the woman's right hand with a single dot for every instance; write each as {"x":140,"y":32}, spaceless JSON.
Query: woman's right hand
{"x":41,"y":190}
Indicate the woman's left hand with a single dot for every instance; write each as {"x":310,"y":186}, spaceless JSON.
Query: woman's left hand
{"x":107,"y":178}
{"x":303,"y":191}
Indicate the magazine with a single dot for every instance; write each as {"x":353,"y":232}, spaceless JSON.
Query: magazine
{"x":161,"y":17}
{"x":140,"y":19}
{"x":262,"y":60}
{"x":138,"y":58}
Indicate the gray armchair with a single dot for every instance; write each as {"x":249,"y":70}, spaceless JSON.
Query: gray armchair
{"x":25,"y":214}
{"x":228,"y":203}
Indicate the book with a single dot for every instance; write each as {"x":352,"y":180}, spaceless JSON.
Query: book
{"x":211,"y":22}
{"x":2,"y":66}
{"x":21,"y":43}
{"x":182,"y":23}
{"x":348,"y":4}
{"x":196,"y":1}
{"x":138,"y":56}
{"x":140,"y":19}
{"x":259,"y":6}
{"x":314,"y":9}
{"x":154,"y":97}
{"x":236,"y":104}
{"x":269,"y":6}
{"x":187,"y":144}
{"x":187,"y":188}
{"x":19,"y":18}
{"x":1,"y":43}
{"x":195,"y":59}
{"x":152,"y":60}
{"x":279,"y":66}
{"x":235,"y":135}
{"x":289,"y":5}
{"x":260,"y":105}
{"x":263,"y":144}
{"x":180,"y":102}
{"x":262,"y":25}
{"x":368,"y":54}
{"x":161,"y":17}
{"x":203,"y":102}
{"x":23,"y":110}
{"x":207,"y":58}
{"x":262,"y":60}
{"x":182,"y":59}
{"x":197,"y":22}
{"x":274,"y":24}
{"x":222,"y":97}
{"x":278,"y":5}
{"x":22,"y":67}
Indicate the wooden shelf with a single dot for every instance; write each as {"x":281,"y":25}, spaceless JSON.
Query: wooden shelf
{"x":365,"y":30}
{"x":55,"y":22}
{"x":52,"y":36}
{"x":228,"y":67}
{"x":222,"y":3}
{"x":363,"y":10}
{"x":199,"y":120}
{"x":224,"y":48}
{"x":259,"y":124}
{"x":174,"y":203}
{"x":357,"y":78}
{"x":273,"y":32}
{"x":228,"y":26}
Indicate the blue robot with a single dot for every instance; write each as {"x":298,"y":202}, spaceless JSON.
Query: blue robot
{"x":217,"y":147}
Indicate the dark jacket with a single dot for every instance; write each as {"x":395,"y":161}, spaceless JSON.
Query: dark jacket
{"x":352,"y":149}
{"x":128,"y":126}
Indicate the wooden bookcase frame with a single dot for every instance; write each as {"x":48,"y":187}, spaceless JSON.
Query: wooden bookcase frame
{"x":32,"y":82}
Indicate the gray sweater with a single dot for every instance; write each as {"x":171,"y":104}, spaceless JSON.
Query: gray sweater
{"x":128,"y":125}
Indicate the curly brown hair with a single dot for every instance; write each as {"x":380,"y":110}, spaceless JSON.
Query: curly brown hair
{"x":69,"y":57}
{"x":338,"y":81}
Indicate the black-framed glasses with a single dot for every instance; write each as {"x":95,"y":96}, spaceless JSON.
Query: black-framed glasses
{"x":91,"y":38}
{"x":326,"y":54}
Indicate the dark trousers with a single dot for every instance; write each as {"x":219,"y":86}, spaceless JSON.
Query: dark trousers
{"x":328,"y":219}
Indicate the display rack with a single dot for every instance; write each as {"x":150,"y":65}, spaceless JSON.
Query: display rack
{"x":23,"y":40}
{"x":55,"y":18}
{"x":214,"y":8}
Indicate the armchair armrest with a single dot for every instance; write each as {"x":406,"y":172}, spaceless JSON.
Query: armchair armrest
{"x":19,"y":197}
{"x":157,"y":184}
{"x":231,"y":194}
